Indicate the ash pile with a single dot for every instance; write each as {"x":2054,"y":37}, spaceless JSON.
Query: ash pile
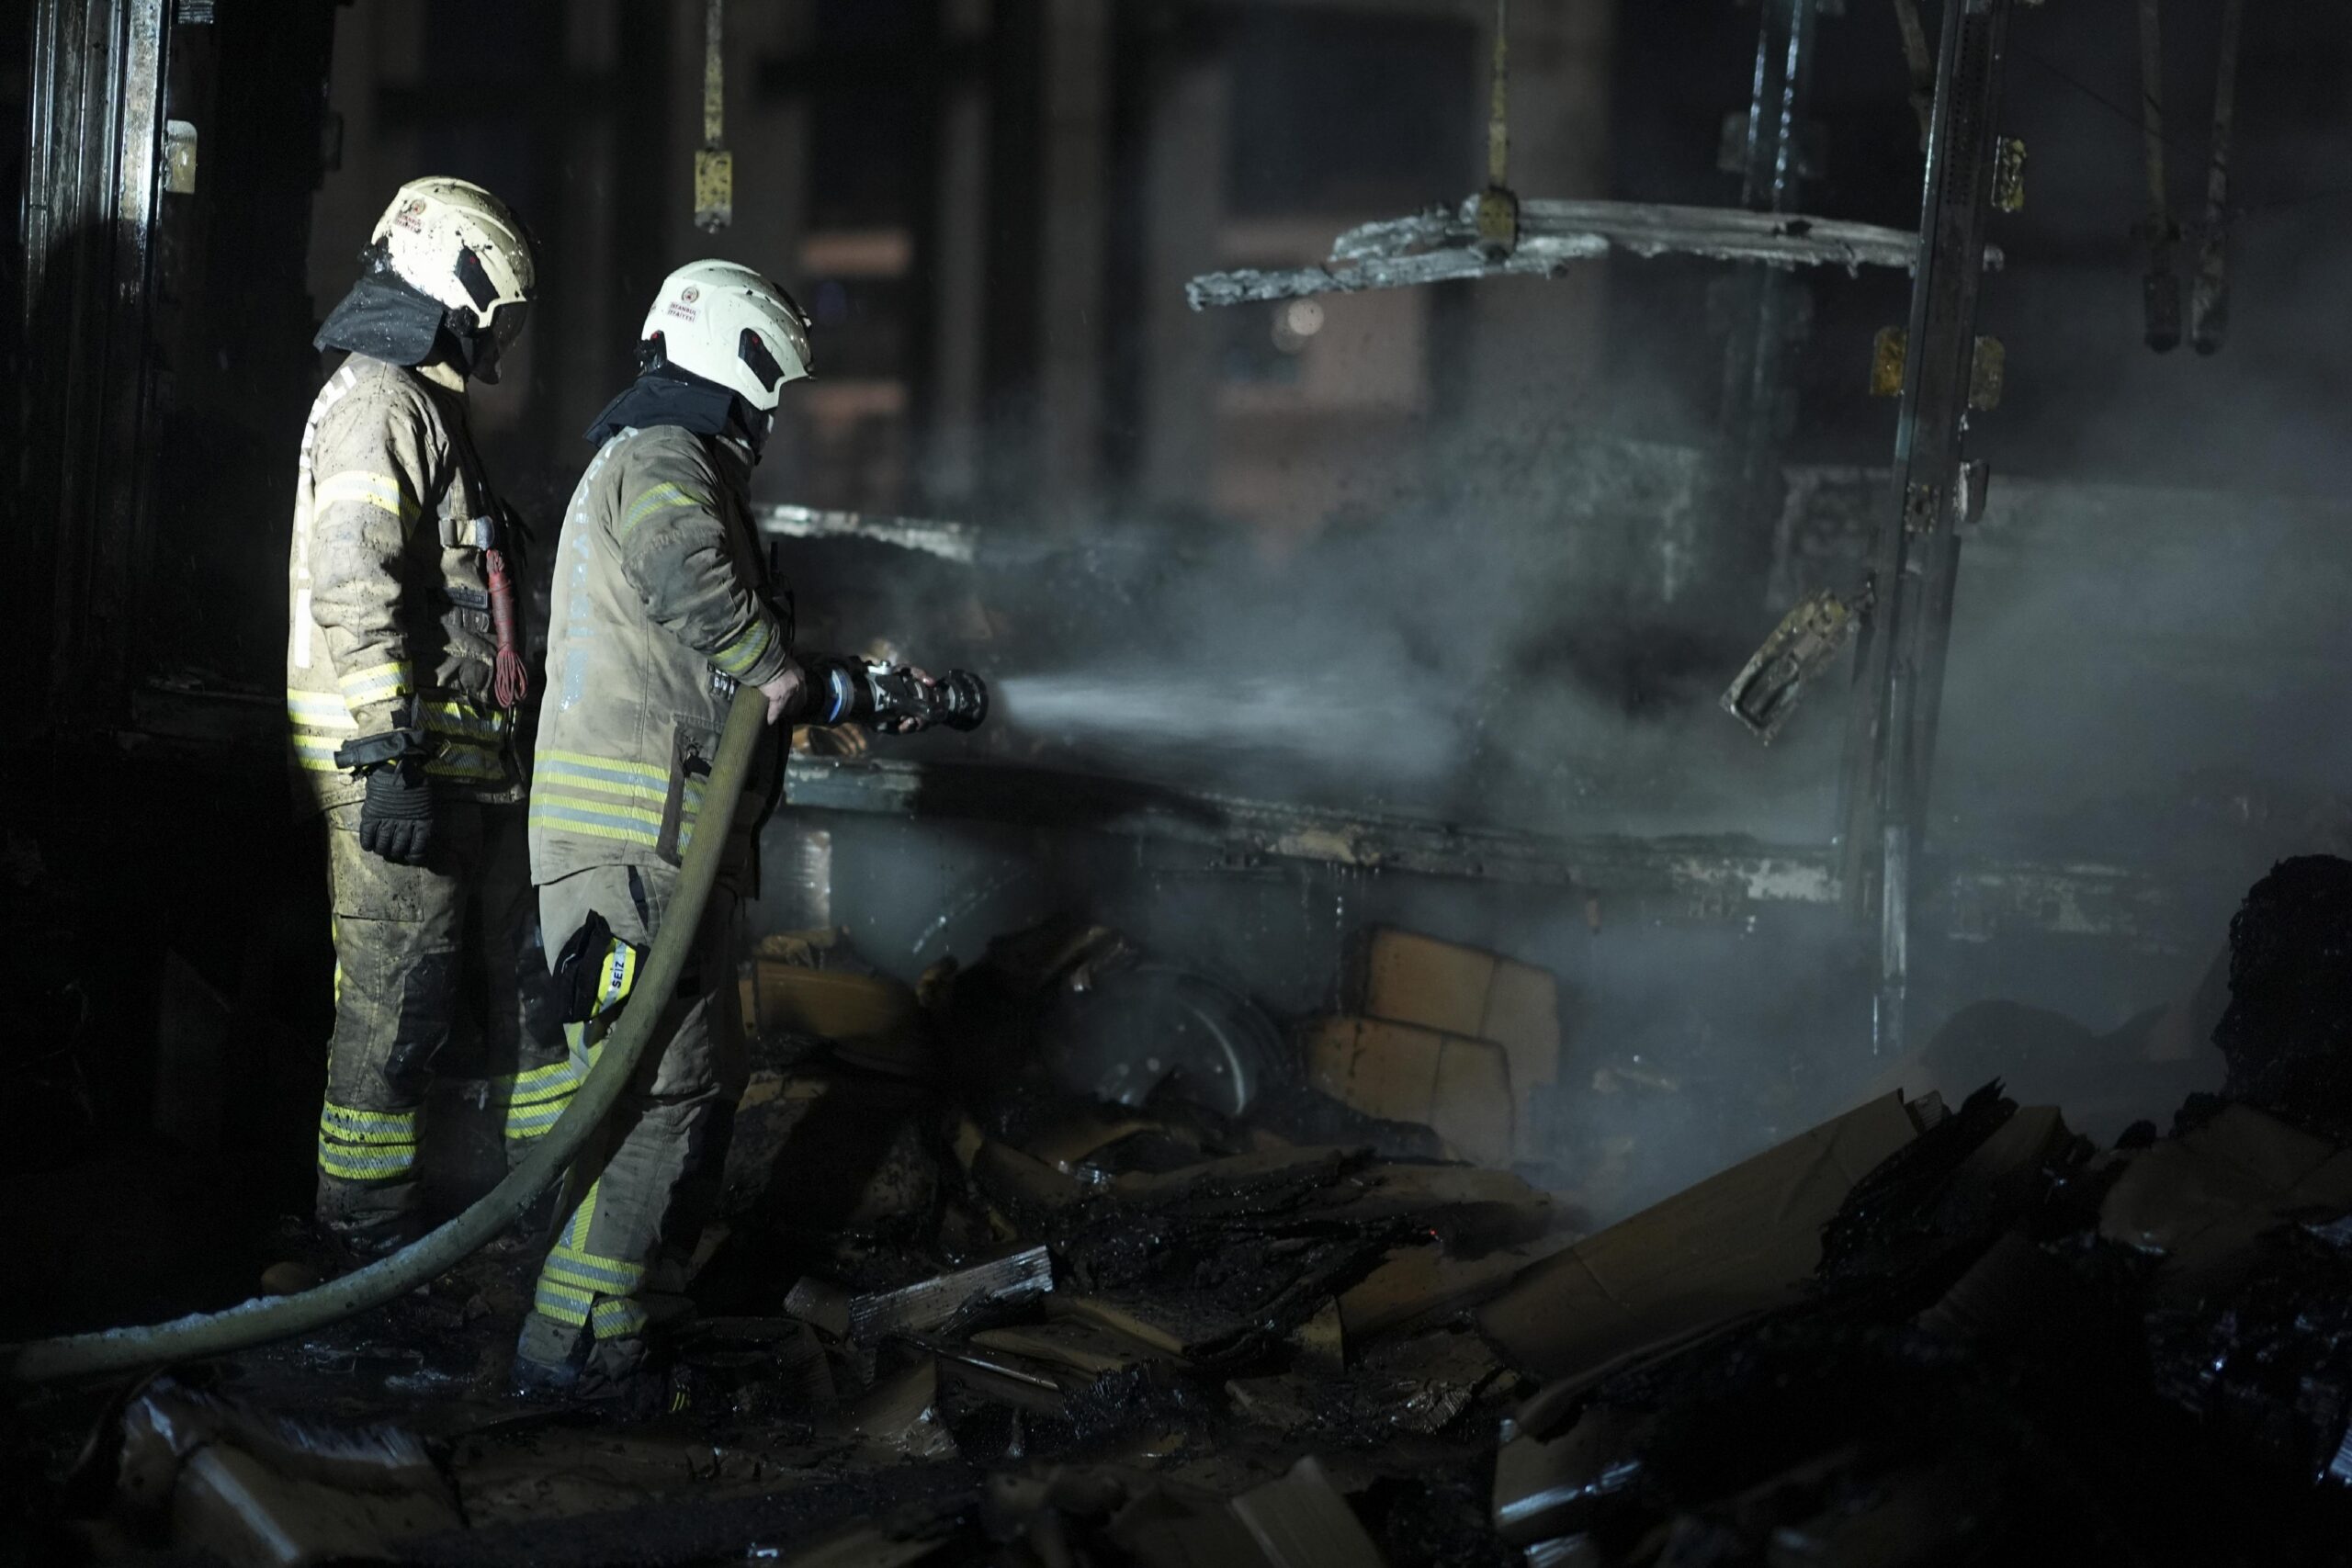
{"x":1027,"y":1301}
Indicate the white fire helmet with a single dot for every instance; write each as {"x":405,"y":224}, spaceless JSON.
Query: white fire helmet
{"x":454,"y":241}
{"x":726,"y":324}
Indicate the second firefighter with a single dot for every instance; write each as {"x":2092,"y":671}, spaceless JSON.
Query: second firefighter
{"x":662,"y":609}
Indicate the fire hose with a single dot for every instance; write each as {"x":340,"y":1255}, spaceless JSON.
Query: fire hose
{"x":259,"y":1321}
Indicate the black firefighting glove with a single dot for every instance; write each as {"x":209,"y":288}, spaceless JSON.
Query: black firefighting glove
{"x":395,"y":815}
{"x":396,"y":818}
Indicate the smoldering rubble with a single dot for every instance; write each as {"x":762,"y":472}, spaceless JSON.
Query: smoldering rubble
{"x":1004,"y":1304}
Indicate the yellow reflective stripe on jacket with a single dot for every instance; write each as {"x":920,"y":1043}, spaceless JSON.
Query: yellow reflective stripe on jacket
{"x":587,"y":1290}
{"x":606,"y":817}
{"x":601,"y":797}
{"x":537,"y":1101}
{"x":353,"y":1125}
{"x":621,"y":800}
{"x":595,"y":819}
{"x":542,"y":1096}
{"x":318,"y":710}
{"x":324,"y":710}
{"x":581,"y":766}
{"x":577,"y":1232}
{"x":612,"y":1319}
{"x":525,"y":1123}
{"x":356,"y":1144}
{"x":460,"y":717}
{"x":610,"y":784}
{"x":383,"y":491}
{"x":661,"y":498}
{"x":314,"y":711}
{"x":742,"y":653}
{"x":460,"y":760}
{"x":565,"y":1303}
{"x":585,"y":1271}
{"x":349,"y":1164}
{"x":316,"y":751}
{"x":553,"y":1082}
{"x":472,"y":739}
{"x":376,"y":682}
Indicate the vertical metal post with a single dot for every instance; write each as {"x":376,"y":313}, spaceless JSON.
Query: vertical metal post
{"x":2209,"y":305}
{"x":1914,"y":557}
{"x":92,"y":181}
{"x":2158,"y":232}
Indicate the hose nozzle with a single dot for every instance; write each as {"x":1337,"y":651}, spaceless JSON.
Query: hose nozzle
{"x":854,"y":691}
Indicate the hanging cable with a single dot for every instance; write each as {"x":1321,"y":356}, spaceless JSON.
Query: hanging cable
{"x":1498,"y":208}
{"x":2160,"y":294}
{"x":714,"y":164}
{"x":1498,"y":106}
{"x":1920,"y":60}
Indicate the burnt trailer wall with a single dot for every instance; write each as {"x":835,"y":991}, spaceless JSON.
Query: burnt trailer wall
{"x":1706,"y":988}
{"x":170,"y":151}
{"x":91,"y":178}
{"x":158,"y":898}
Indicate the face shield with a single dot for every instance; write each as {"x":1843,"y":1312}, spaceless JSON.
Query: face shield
{"x":506,"y":323}
{"x":753,"y":350}
{"x":485,"y":341}
{"x":481,"y":348}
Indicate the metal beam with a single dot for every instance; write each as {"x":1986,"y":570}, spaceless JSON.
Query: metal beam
{"x":1700,"y":878}
{"x":1890,"y":735}
{"x":1440,"y":245}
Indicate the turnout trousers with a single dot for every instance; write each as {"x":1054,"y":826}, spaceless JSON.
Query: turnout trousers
{"x":401,"y":937}
{"x":638,"y":1195}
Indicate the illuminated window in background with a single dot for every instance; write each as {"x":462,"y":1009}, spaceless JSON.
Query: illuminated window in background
{"x":1296,"y":321}
{"x":870,"y":146}
{"x":855,"y":286}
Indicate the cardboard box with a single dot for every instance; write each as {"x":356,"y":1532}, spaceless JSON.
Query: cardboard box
{"x":1408,"y":978}
{"x":2201,"y":1198}
{"x":831,"y":1004}
{"x":1415,"y":1284}
{"x":1460,"y":1088}
{"x":1743,"y":1240}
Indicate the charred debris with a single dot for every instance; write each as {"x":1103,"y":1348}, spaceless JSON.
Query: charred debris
{"x":1279,"y":1297}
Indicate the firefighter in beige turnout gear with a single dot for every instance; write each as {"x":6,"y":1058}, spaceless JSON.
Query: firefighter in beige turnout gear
{"x":403,"y":674}
{"x":661,"y":610}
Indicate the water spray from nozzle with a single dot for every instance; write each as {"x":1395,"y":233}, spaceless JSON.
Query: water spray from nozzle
{"x":1322,"y":718}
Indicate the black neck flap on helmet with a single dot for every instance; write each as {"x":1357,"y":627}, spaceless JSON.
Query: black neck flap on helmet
{"x":665,"y":394}
{"x":386,"y":317}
